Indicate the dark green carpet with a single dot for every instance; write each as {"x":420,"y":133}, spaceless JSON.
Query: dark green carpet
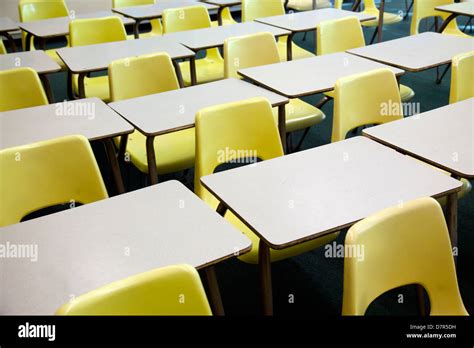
{"x":311,"y":280}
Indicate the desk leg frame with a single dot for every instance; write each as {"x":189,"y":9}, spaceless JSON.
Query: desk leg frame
{"x":151,"y":159}
{"x":214,"y":292}
{"x":282,"y":125}
{"x":114,"y":165}
{"x":265,"y":278}
{"x":452,"y":219}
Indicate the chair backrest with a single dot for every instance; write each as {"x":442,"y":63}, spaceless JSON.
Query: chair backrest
{"x":171,"y":290}
{"x":34,"y":10}
{"x":248,"y":51}
{"x":231,"y":132}
{"x":339,"y":35}
{"x":139,"y":76}
{"x":338,"y":4}
{"x":253,"y":9}
{"x":3,"y":50}
{"x":155,"y":23}
{"x":48,"y":173}
{"x":371,"y":97}
{"x":425,"y":9}
{"x":401,"y":245}
{"x":370,"y":5}
{"x":21,"y":88}
{"x":462,"y":71}
{"x":91,"y":31}
{"x":188,"y":18}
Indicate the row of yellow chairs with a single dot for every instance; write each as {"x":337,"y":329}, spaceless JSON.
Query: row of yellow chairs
{"x":160,"y":291}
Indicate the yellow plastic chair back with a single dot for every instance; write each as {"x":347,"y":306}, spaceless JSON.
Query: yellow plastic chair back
{"x":249,"y":51}
{"x":462,"y":73}
{"x":35,"y":10}
{"x":93,"y":31}
{"x":253,"y":9}
{"x":172,"y":290}
{"x":425,"y":9}
{"x":20,"y":88}
{"x":338,"y":4}
{"x":139,"y":76}
{"x":368,"y":98}
{"x":48,"y":173}
{"x":339,"y":35}
{"x":402,"y":245}
{"x":246,"y":125}
{"x":3,"y":50}
{"x":156,"y":27}
{"x":188,"y":18}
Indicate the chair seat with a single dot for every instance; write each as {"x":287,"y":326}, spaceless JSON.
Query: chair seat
{"x":94,"y":87}
{"x":174,"y":151}
{"x":297,"y":51}
{"x":455,"y":31}
{"x":300,"y":115}
{"x":406,"y":93}
{"x":388,"y":18}
{"x":207,"y":70}
{"x":307,"y":5}
{"x":52,"y":54}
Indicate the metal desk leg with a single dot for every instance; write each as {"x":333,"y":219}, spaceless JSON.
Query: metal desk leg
{"x":452,"y":219}
{"x":214,"y":292}
{"x":179,"y":75}
{"x":380,"y":26}
{"x":28,"y":42}
{"x":289,"y":47}
{"x":192,"y":67}
{"x":136,"y":29}
{"x":265,"y":278}
{"x":82,"y":88}
{"x":282,"y":125}
{"x":151,"y":159}
{"x":114,"y":165}
{"x":11,"y":41}
{"x":447,"y":21}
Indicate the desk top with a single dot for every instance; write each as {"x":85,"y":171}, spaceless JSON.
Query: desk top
{"x":90,"y":58}
{"x":37,"y":60}
{"x":87,"y":247}
{"x":308,"y":76}
{"x":7,"y":24}
{"x":443,"y":137}
{"x":89,"y":117}
{"x":417,"y":52}
{"x":156,"y":11}
{"x":176,"y":110}
{"x":462,"y":8}
{"x":305,"y":195}
{"x":309,"y":20}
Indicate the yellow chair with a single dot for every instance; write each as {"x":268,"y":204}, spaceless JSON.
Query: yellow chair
{"x":343,"y":34}
{"x":402,"y":245}
{"x":90,"y":32}
{"x":45,"y":174}
{"x":307,"y":5}
{"x":34,"y":10}
{"x":210,"y":68}
{"x":461,"y":77}
{"x":227,"y":18}
{"x":365,"y":99}
{"x":171,"y":290}
{"x":372,"y":10}
{"x":3,"y":50}
{"x":426,"y":9}
{"x":253,"y":9}
{"x":156,"y":28}
{"x":247,"y":124}
{"x":261,"y":49}
{"x":21,"y":88}
{"x":139,"y":76}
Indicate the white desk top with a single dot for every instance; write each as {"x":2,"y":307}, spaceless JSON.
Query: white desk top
{"x":308,"y":76}
{"x":462,"y":8}
{"x":443,"y":137}
{"x":298,"y":197}
{"x":308,"y":20}
{"x":60,"y":26}
{"x":90,"y":58}
{"x":37,"y":60}
{"x":215,"y":36}
{"x":175,"y":110}
{"x":156,"y":11}
{"x":224,"y":3}
{"x":89,"y":117}
{"x":7,"y":24}
{"x":82,"y":249}
{"x":417,"y":52}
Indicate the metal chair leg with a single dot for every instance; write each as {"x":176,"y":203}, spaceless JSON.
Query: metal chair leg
{"x":439,"y":80}
{"x":298,"y":147}
{"x":374,"y":36}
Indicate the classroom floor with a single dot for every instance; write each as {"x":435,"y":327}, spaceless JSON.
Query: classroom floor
{"x":311,"y":284}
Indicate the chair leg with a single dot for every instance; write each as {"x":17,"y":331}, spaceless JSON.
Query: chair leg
{"x":440,"y":79}
{"x":408,"y":9}
{"x":298,"y":147}
{"x":373,"y":36}
{"x":304,"y":36}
